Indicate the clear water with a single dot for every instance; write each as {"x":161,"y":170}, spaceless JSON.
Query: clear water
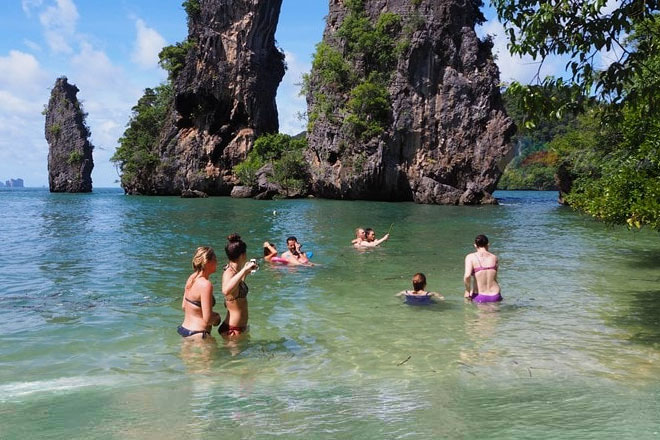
{"x":90,"y":297}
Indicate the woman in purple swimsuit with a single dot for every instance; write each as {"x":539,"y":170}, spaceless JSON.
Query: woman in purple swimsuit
{"x":482,"y":267}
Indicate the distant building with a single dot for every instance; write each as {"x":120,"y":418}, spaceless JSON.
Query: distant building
{"x":14,"y":183}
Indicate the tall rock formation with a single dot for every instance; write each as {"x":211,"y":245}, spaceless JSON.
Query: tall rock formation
{"x":404,"y":104}
{"x":224,"y":97}
{"x":70,"y":160}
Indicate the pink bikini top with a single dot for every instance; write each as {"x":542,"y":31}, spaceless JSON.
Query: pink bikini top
{"x":481,"y":267}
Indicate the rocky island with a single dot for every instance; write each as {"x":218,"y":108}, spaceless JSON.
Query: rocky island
{"x":403,"y":104}
{"x":70,"y":160}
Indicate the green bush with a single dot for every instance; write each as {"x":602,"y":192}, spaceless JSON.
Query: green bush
{"x":136,"y":155}
{"x":284,"y":152}
{"x":75,"y":157}
{"x":172,"y":58}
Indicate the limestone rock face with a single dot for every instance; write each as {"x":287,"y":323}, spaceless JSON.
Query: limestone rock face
{"x":70,"y":160}
{"x":447,"y":136}
{"x":224,"y":97}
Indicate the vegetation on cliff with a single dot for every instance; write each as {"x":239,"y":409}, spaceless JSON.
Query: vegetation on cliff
{"x":365,"y":104}
{"x":284,"y":153}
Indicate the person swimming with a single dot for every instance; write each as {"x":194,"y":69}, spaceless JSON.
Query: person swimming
{"x":359,"y":237}
{"x":293,"y":255}
{"x":198,"y":300}
{"x":270,"y":251}
{"x":370,"y":239}
{"x":418,"y":295}
{"x":480,"y":277}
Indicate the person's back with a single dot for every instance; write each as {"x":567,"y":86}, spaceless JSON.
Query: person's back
{"x":481,"y":266}
{"x":484,"y":270}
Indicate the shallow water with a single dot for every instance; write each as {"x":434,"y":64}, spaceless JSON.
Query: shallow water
{"x":91,"y":293}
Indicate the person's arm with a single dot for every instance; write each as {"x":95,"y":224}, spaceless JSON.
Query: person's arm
{"x":209,"y":318}
{"x":403,"y":292}
{"x":467,"y":277}
{"x":231,"y":282}
{"x":379,"y":241}
{"x":437,"y":296}
{"x":272,"y":250}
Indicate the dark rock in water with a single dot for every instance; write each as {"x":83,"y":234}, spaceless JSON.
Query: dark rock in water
{"x":446,"y":135}
{"x":224,"y":97}
{"x":70,"y":160}
{"x":193,"y":194}
{"x":242,"y":192}
{"x":564,"y":181}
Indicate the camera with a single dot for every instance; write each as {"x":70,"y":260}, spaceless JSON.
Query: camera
{"x":256,"y":267}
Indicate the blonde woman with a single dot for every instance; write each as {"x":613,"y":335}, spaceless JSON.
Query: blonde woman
{"x":198,"y":299}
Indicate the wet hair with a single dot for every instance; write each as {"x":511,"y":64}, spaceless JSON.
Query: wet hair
{"x":292,"y":238}
{"x":367,"y":231}
{"x":266,"y":250}
{"x":235,"y":247}
{"x":357,"y":231}
{"x":419,"y":281}
{"x":481,"y":241}
{"x":203,"y":255}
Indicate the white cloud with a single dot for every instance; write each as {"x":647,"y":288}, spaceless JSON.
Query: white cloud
{"x":28,"y":5}
{"x":32,"y":45}
{"x":512,"y":67}
{"x":289,"y":103}
{"x":21,"y":72}
{"x":94,"y":69}
{"x":148,"y":44}
{"x":59,"y":23}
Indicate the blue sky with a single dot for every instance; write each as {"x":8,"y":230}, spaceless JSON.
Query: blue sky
{"x":109,"y":50}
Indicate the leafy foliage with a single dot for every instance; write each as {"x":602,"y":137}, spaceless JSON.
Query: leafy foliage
{"x":172,"y":58}
{"x":136,"y":156}
{"x":284,"y":152}
{"x":352,"y":84}
{"x":580,"y":31}
{"x":75,"y":157}
{"x":192,"y":7}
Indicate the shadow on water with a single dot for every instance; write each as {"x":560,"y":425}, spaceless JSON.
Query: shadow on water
{"x":643,"y":317}
{"x":644,"y":259}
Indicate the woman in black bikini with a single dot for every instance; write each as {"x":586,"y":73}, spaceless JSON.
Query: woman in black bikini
{"x":234,"y":288}
{"x":198,"y":299}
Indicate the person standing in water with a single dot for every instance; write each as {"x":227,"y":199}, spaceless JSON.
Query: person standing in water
{"x":480,"y":276}
{"x":198,"y":299}
{"x":234,"y":288}
{"x":270,"y":251}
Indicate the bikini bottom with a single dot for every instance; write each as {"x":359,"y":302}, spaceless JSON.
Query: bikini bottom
{"x":231,"y":330}
{"x":485,"y":298}
{"x":184,"y":332}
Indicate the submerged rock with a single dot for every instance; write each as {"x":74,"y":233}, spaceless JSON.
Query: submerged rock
{"x":70,"y":160}
{"x":444,"y":135}
{"x":224,"y":97}
{"x":193,"y":194}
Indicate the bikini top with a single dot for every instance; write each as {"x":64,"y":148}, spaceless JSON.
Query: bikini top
{"x":198,"y":303}
{"x":243,"y":288}
{"x":481,"y":267}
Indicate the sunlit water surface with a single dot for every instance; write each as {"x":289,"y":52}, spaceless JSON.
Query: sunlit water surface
{"x":90,"y":298}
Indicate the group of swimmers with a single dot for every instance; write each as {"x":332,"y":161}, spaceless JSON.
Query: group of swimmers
{"x":480,"y":281}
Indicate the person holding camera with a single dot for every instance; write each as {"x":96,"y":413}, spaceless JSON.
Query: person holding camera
{"x":294,"y":256}
{"x":234,"y":288}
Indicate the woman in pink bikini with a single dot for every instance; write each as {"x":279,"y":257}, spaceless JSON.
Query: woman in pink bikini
{"x":482,"y":267}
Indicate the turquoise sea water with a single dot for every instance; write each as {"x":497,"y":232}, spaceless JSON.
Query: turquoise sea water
{"x":90,"y":298}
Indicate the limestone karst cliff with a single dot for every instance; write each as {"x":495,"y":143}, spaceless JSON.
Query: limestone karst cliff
{"x":404,"y":104}
{"x":223,"y":98}
{"x":70,"y":160}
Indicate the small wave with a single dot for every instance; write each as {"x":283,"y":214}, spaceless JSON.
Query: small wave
{"x":15,"y":390}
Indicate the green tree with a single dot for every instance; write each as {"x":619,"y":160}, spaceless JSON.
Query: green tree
{"x":172,"y":58}
{"x":136,"y":155}
{"x":579,"y":30}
